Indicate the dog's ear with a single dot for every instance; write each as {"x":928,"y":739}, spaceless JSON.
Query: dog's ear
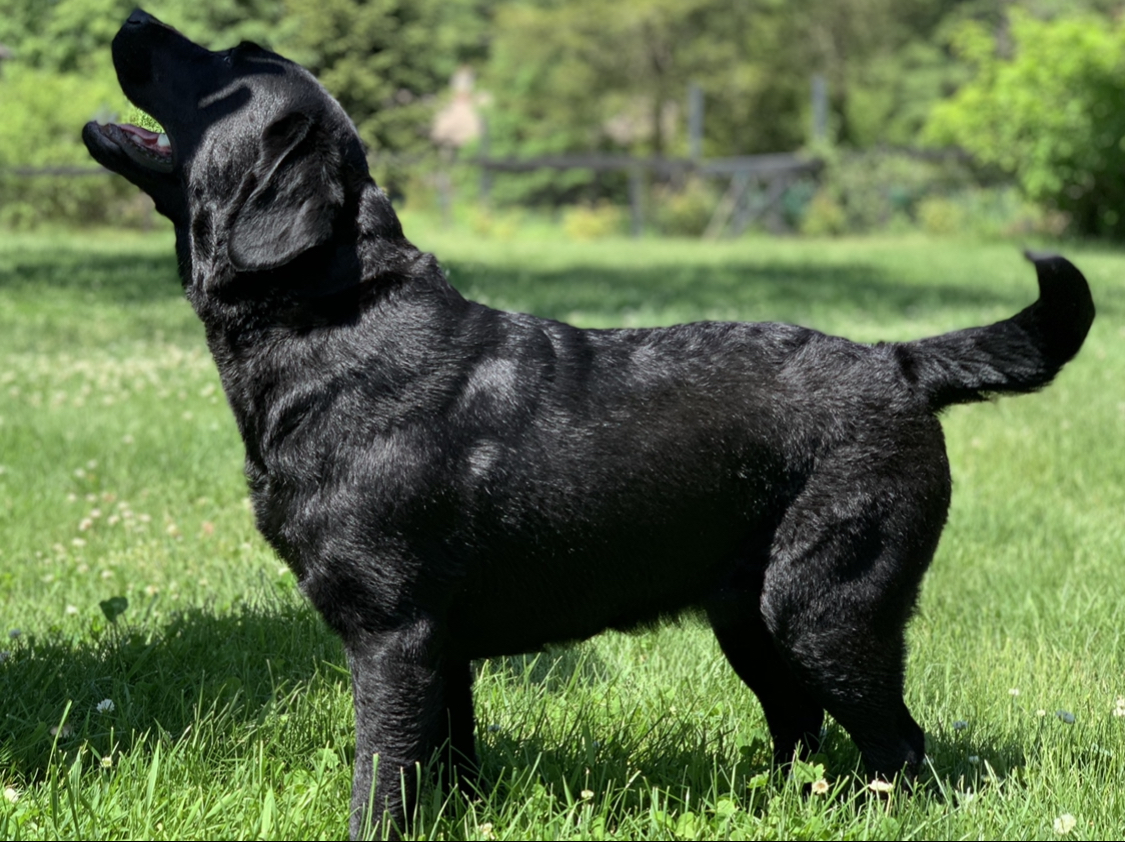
{"x":289,"y":199}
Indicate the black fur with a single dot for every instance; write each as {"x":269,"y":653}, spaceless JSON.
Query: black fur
{"x":451,"y":482}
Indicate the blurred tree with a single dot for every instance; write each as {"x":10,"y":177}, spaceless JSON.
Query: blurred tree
{"x":580,"y":75}
{"x":583,"y":74}
{"x":1047,"y":106}
{"x":586,"y":74}
{"x":43,"y":116}
{"x":385,"y":60}
{"x":69,"y":36}
{"x":883,"y":59}
{"x":61,"y":75}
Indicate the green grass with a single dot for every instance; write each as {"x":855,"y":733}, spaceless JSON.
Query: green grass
{"x":120,"y":478}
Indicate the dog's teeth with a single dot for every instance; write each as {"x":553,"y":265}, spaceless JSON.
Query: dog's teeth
{"x":163,"y":141}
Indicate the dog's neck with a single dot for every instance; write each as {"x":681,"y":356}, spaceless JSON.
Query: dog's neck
{"x":367,"y":256}
{"x":366,"y":275}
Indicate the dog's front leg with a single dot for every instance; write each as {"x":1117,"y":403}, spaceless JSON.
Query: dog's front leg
{"x":400,"y":713}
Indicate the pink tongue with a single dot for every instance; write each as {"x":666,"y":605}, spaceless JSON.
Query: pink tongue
{"x":144,"y":135}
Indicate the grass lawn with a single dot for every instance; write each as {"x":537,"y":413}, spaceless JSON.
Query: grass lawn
{"x":161,"y":676}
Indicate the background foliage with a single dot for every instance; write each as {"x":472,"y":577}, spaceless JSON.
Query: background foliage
{"x":1030,"y":88}
{"x":1051,"y":112}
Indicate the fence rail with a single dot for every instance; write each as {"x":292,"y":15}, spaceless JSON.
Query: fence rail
{"x":757,"y":183}
{"x":36,"y":171}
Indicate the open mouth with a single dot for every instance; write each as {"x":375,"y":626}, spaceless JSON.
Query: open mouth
{"x":152,"y":150}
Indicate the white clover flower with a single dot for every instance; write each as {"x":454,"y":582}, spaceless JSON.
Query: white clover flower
{"x":1066,"y":716}
{"x":820,"y":787}
{"x":586,"y":794}
{"x":72,"y":609}
{"x":1065,"y":823}
{"x":960,"y":725}
{"x":11,"y":794}
{"x":880,"y":786}
{"x":105,"y":706}
{"x":1015,"y":691}
{"x":14,"y":633}
{"x":4,"y":655}
{"x":107,"y":762}
{"x":974,"y":759}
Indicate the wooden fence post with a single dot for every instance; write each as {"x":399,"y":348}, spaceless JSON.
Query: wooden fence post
{"x":636,"y":190}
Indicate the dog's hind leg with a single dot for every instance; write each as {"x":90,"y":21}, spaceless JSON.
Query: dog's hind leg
{"x":841,"y":584}
{"x":793,"y":714}
{"x":851,"y":657}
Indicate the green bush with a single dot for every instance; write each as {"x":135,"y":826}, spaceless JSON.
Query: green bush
{"x":938,"y":193}
{"x":941,"y":215}
{"x":593,"y":222}
{"x":824,"y":216}
{"x":990,"y":212}
{"x":42,"y":127}
{"x":683,"y":210}
{"x":879,"y":190}
{"x":1051,"y":113}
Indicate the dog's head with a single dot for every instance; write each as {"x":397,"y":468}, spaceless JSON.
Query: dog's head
{"x":257,"y":160}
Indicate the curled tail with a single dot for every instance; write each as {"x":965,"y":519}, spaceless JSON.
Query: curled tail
{"x":1017,"y":355}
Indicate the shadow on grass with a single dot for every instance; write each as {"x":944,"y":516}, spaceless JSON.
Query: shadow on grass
{"x":679,"y":773}
{"x":746,"y":289}
{"x":247,"y":663}
{"x":160,"y":677}
{"x":126,"y":277}
{"x":556,"y":669}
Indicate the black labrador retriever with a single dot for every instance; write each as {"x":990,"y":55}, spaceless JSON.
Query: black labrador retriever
{"x":451,"y":482}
